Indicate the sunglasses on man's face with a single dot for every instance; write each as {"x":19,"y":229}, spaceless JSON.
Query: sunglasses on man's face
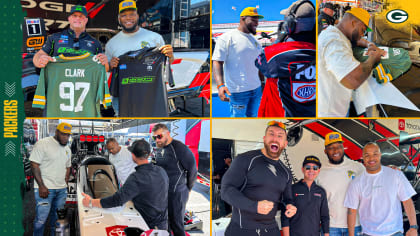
{"x":311,"y":167}
{"x":159,"y":136}
{"x":276,"y":123}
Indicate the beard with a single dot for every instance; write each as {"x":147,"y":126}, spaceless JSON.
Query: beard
{"x":271,"y":154}
{"x":251,"y":29}
{"x":332,"y":161}
{"x":129,"y":30}
{"x":60,"y":142}
{"x":354,"y":38}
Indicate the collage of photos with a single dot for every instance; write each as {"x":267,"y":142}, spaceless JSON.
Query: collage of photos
{"x":210,"y":118}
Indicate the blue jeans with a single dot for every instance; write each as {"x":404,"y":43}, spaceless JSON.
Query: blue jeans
{"x":344,"y":231}
{"x":245,"y":104}
{"x":116,"y":105}
{"x":48,"y":206}
{"x":396,"y":234}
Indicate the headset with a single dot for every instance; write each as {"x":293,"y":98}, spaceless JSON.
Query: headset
{"x":289,"y":25}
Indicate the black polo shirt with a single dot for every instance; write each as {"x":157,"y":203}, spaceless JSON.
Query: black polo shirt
{"x":65,"y":43}
{"x":312,"y":211}
{"x":148,"y":189}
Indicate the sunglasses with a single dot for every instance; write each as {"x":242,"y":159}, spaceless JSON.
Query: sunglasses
{"x":276,"y":123}
{"x":159,"y":136}
{"x":311,"y":167}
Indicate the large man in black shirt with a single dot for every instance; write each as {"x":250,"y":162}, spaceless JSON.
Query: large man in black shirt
{"x":147,"y":187}
{"x":179,"y":163}
{"x":257,"y":184}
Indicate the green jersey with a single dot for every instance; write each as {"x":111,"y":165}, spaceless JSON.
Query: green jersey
{"x":394,"y":64}
{"x":72,"y":87}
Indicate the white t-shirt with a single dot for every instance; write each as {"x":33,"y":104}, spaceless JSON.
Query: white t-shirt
{"x":125,"y":42}
{"x":123,"y":163}
{"x":378,"y":199}
{"x":238,"y":51}
{"x":335,"y":61}
{"x":53,"y":160}
{"x":335,"y":179}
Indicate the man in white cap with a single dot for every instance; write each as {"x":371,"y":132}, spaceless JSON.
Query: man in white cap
{"x":234,"y":69}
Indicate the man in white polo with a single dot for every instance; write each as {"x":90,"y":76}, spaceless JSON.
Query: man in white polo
{"x":121,"y":158}
{"x":377,"y":195}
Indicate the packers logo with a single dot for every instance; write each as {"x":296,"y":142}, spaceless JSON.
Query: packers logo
{"x":397,"y":16}
{"x":35,"y":42}
{"x":351,"y":174}
{"x":144,"y":44}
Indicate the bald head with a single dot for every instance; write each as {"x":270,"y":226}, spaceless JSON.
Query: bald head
{"x":372,"y":157}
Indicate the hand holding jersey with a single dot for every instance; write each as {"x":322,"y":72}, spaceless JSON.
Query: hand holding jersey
{"x":166,"y":50}
{"x":43,"y":61}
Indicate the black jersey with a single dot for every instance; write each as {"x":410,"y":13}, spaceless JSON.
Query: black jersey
{"x":180,"y":165}
{"x":140,"y":83}
{"x":253,"y":177}
{"x":293,"y":63}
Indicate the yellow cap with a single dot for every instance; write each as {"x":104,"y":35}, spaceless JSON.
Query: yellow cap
{"x":332,"y":137}
{"x":362,"y":15}
{"x":64,"y":128}
{"x":251,"y":11}
{"x":127,"y":4}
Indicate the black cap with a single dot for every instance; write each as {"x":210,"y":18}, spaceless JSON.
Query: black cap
{"x":140,"y":148}
{"x":329,"y":6}
{"x":311,"y":159}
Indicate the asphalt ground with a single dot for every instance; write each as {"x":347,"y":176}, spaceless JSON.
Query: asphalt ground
{"x":199,"y":203}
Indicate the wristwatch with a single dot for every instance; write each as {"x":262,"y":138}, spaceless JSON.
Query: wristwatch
{"x":90,"y":203}
{"x":416,"y":227}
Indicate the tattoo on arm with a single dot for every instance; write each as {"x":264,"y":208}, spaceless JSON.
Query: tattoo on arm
{"x":349,"y":212}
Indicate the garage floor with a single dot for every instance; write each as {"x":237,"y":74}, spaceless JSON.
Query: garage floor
{"x":199,"y":203}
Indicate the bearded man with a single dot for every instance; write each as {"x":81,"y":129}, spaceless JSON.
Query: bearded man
{"x":131,"y":38}
{"x":335,"y":178}
{"x":257,"y":185}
